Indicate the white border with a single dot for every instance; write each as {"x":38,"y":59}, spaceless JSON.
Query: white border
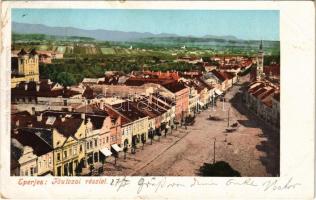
{"x":297,"y":35}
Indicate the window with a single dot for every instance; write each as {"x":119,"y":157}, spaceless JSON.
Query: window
{"x":80,"y":148}
{"x":49,"y":161}
{"x":58,"y":156}
{"x":65,"y":154}
{"x":113,"y":138}
{"x":75,"y":150}
{"x":91,"y":144}
{"x":59,"y":171}
{"x":32,"y":172}
{"x":70,"y":152}
{"x":87,"y":145}
{"x":95,"y":142}
{"x":107,"y":139}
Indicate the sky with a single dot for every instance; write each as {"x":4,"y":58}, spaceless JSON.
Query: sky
{"x":244,"y":24}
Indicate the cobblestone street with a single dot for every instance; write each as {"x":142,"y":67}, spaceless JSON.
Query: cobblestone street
{"x":253,"y":149}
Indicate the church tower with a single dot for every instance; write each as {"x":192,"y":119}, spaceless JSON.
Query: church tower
{"x":24,"y":67}
{"x":260,"y":74}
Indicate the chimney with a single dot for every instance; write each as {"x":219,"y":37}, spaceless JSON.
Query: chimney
{"x":37,"y":88}
{"x":39,"y":117}
{"x":33,"y":111}
{"x":83,"y":115}
{"x":15,"y":131}
{"x":25,"y":86}
{"x":102,"y":105}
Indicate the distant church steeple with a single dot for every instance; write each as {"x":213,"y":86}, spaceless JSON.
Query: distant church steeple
{"x":260,"y":47}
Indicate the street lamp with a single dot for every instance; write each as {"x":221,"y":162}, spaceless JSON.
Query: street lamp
{"x":214,"y":150}
{"x":228,"y":117}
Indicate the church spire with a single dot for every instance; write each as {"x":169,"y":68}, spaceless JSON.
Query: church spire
{"x":260,"y":47}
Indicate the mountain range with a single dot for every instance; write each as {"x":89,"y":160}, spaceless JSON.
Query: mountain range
{"x":99,"y":34}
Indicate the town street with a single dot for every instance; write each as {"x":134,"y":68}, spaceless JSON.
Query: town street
{"x":252,"y":150}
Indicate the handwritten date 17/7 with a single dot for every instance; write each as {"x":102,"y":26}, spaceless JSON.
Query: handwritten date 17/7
{"x":119,"y":183}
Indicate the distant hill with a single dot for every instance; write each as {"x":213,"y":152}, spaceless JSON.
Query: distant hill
{"x":103,"y":35}
{"x":99,"y":34}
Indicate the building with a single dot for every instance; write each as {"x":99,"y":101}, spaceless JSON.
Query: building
{"x":263,"y":98}
{"x":24,"y":67}
{"x":76,"y":138}
{"x":37,"y":155}
{"x":139,"y":120}
{"x":260,"y":74}
{"x":38,"y":96}
{"x":181,"y":98}
{"x":224,"y":78}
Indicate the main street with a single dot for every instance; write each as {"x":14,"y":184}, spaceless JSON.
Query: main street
{"x":252,"y":150}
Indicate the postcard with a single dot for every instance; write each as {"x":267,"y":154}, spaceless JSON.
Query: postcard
{"x":173,"y":100}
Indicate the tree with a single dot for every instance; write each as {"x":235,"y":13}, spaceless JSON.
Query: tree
{"x":218,"y":169}
{"x":66,"y":79}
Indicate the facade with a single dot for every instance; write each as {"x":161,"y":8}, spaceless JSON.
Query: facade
{"x":181,"y":98}
{"x":24,"y":67}
{"x":262,"y":97}
{"x":139,"y":120}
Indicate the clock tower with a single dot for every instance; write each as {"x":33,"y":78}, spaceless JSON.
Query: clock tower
{"x":260,"y":74}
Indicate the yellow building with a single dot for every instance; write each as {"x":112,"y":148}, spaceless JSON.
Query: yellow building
{"x":139,"y":121}
{"x":24,"y":67}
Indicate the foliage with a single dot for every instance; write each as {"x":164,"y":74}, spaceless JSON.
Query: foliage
{"x":43,"y":37}
{"x":218,"y":169}
{"x":271,"y":58}
{"x":65,"y":79}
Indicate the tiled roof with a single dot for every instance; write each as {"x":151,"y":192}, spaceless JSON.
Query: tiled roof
{"x":68,"y":127}
{"x":129,"y":111}
{"x":22,"y":52}
{"x":29,"y":138}
{"x":96,"y":117}
{"x":115,"y":114}
{"x":135,"y":81}
{"x":167,"y":100}
{"x":219,"y":75}
{"x":174,"y":86}
{"x":144,"y":107}
{"x":45,"y":90}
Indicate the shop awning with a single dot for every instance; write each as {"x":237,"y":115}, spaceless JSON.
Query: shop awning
{"x":106,"y":152}
{"x":116,"y":148}
{"x":218,"y":92}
